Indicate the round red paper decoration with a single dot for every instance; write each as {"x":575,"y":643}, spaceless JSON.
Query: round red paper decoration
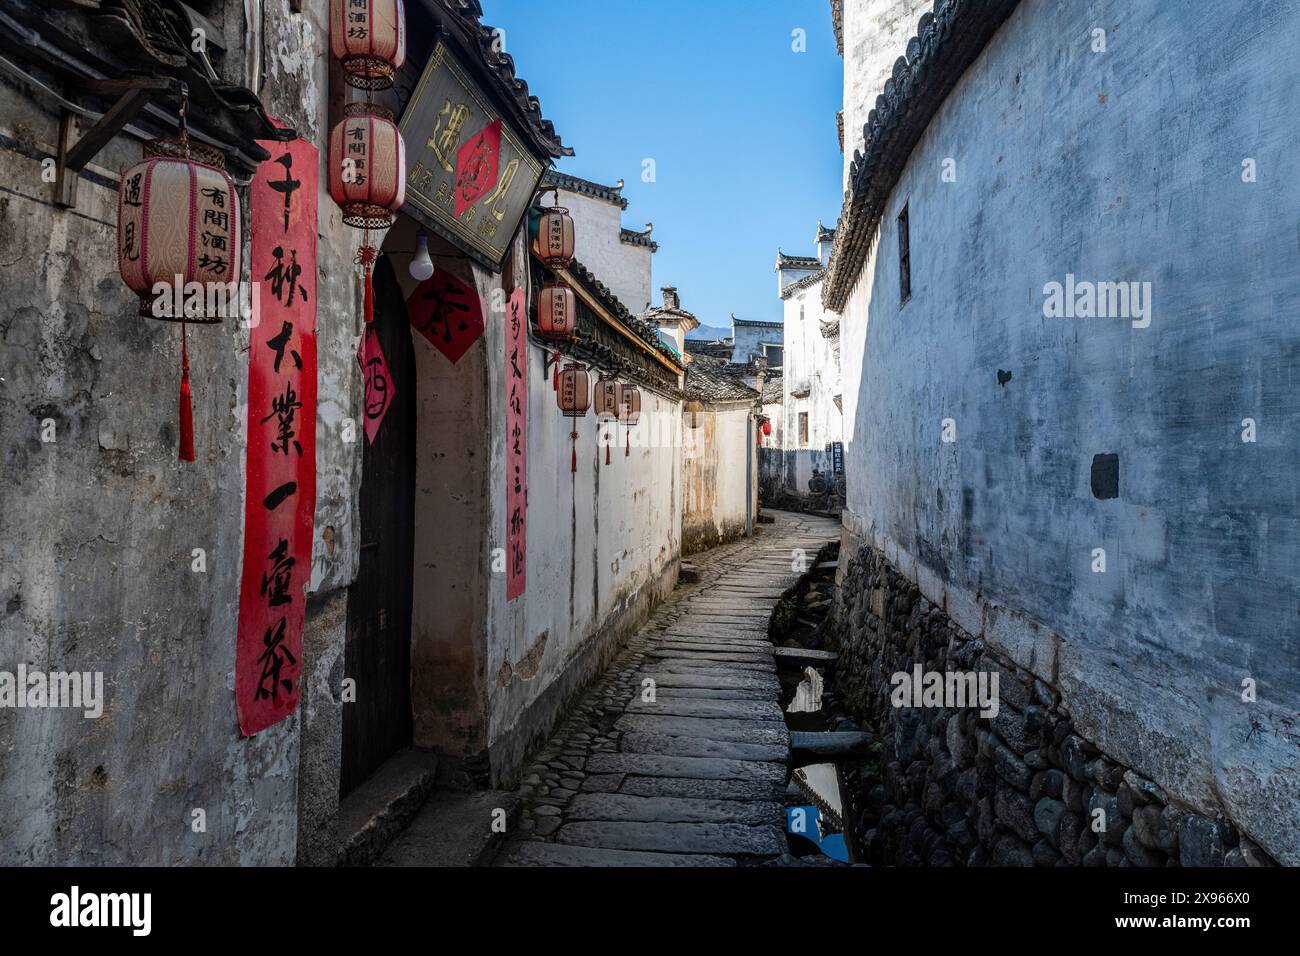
{"x":367,"y":167}
{"x":554,"y":244}
{"x":369,"y":38}
{"x":557,"y":311}
{"x":767,"y":428}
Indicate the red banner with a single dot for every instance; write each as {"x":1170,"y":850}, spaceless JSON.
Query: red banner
{"x":516,"y":445}
{"x":447,"y":312}
{"x":281,"y":475}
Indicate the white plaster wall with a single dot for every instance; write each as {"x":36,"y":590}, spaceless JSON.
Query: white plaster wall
{"x":1124,"y":166}
{"x":810,"y":361}
{"x":716,"y":477}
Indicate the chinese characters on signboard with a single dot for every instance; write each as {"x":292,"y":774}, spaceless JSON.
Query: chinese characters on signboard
{"x":516,"y":326}
{"x":281,"y":467}
{"x":470,"y":178}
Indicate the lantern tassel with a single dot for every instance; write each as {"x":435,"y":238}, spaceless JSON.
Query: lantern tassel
{"x":574,"y":465}
{"x":186,"y":451}
{"x":607,"y":444}
{"x":627,"y":449}
{"x":369,"y":298}
{"x":555,"y":371}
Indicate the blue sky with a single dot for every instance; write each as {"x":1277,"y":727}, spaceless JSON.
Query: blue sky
{"x":741,"y":128}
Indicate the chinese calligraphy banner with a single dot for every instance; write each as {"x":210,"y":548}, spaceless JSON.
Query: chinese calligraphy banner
{"x":516,"y":444}
{"x":470,"y":177}
{"x":447,"y":312}
{"x":281,"y":470}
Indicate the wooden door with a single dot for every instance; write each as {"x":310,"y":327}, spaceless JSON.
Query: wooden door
{"x":378,"y":657}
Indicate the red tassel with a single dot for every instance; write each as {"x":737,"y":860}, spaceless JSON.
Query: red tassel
{"x":555,"y":372}
{"x":574,"y":466}
{"x":370,"y":298}
{"x":186,"y":452}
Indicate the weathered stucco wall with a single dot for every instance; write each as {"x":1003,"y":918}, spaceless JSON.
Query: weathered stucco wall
{"x":714,"y":462}
{"x":1071,"y":161}
{"x":99,"y":526}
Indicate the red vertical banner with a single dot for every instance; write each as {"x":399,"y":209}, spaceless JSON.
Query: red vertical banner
{"x":280,"y":498}
{"x":516,"y":445}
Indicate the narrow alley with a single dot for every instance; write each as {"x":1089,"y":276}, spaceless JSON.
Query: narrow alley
{"x":678,"y":754}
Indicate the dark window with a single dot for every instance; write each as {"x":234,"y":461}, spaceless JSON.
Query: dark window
{"x":774,"y":355}
{"x":904,"y":259}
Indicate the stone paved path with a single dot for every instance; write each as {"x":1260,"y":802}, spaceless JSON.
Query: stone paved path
{"x":694,"y":774}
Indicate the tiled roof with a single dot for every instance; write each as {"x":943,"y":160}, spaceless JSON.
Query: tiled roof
{"x":716,"y":380}
{"x":837,"y":22}
{"x":585,"y":187}
{"x":756,"y":323}
{"x":773,"y":389}
{"x":796,"y":262}
{"x":634,"y":238}
{"x":803,"y":283}
{"x":948,"y":40}
{"x":638,"y":326}
{"x":723,"y":350}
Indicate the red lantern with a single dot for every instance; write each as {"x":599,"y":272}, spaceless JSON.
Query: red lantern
{"x":369,"y":38}
{"x":767,"y":427}
{"x":554,"y":243}
{"x":178,"y":221}
{"x":606,"y":404}
{"x":367,"y":168}
{"x":557,"y":318}
{"x":574,"y":398}
{"x":629,"y":411}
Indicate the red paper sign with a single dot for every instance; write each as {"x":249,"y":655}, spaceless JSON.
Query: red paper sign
{"x":281,"y":471}
{"x":476,"y":165}
{"x":516,"y":445}
{"x":447,"y":312}
{"x":380,"y":390}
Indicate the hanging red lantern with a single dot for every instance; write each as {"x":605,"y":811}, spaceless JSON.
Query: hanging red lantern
{"x":767,"y":427}
{"x":554,"y":243}
{"x":557,"y":319}
{"x":367,"y":168}
{"x":178,"y":222}
{"x":629,"y":411}
{"x":605,"y":403}
{"x":369,"y":38}
{"x":574,"y":398}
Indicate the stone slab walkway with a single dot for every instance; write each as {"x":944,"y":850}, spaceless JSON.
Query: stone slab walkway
{"x":678,"y":755}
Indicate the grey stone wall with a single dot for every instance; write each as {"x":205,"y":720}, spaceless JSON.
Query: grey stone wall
{"x":1021,"y":788}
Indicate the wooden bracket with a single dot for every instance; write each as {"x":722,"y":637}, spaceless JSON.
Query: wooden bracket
{"x":133,"y":95}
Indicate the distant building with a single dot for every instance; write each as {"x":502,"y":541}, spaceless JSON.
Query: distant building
{"x":621,"y":257}
{"x":813,"y":387}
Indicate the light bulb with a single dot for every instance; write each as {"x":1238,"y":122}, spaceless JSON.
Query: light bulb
{"x":421,"y":266}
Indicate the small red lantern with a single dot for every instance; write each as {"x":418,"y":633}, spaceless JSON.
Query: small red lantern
{"x":574,"y":398}
{"x":557,"y":318}
{"x":178,"y":221}
{"x":554,"y":243}
{"x":629,"y":411}
{"x":369,"y":38}
{"x":367,"y":169}
{"x":767,"y":427}
{"x":606,"y":404}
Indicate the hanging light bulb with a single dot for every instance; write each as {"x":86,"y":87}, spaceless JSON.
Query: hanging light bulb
{"x":421,"y":266}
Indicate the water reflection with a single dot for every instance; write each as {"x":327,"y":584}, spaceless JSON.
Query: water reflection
{"x":821,"y":822}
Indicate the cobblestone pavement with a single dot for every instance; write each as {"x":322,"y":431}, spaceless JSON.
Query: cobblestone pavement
{"x":689,"y":770}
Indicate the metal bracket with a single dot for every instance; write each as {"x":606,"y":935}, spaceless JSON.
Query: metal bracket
{"x":133,"y":95}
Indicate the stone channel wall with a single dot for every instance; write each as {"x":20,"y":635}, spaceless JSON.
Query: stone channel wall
{"x":1020,"y":788}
